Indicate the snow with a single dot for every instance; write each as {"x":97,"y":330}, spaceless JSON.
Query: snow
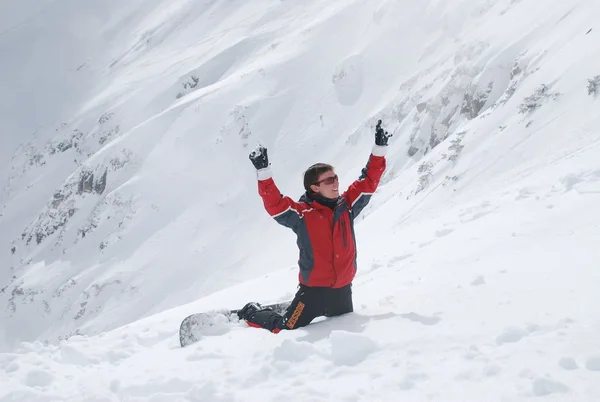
{"x":129,"y":201}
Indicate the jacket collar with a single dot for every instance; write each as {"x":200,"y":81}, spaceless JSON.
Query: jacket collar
{"x":317,"y":200}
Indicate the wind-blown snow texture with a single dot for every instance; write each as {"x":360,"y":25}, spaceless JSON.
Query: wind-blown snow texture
{"x":128,"y":199}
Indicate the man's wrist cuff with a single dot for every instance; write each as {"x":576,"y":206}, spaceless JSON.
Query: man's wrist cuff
{"x":379,"y":150}
{"x":264,"y":174}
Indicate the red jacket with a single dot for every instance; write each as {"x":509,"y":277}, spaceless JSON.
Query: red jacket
{"x":325,"y":237}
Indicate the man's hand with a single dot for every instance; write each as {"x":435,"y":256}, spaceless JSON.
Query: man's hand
{"x":381,"y":136}
{"x":259,"y":158}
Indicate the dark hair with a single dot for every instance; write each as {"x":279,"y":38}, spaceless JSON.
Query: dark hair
{"x":312,"y":174}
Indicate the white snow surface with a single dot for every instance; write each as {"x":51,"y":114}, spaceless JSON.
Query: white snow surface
{"x":129,"y":201}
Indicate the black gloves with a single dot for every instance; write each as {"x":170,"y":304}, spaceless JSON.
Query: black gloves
{"x":259,"y":158}
{"x":381,"y":136}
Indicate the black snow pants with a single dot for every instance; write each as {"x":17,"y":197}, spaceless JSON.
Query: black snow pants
{"x":308,"y":304}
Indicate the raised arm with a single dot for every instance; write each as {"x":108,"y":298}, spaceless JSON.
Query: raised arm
{"x":359,"y":193}
{"x":283,"y":209}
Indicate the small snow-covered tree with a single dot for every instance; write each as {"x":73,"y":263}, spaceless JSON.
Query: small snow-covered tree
{"x":535,"y":101}
{"x":594,"y":85}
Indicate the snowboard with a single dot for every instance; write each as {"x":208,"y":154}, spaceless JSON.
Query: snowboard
{"x":197,"y":325}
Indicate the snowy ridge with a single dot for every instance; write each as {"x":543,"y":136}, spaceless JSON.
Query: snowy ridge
{"x":136,"y":204}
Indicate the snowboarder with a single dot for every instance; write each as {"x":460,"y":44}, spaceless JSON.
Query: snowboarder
{"x":323,"y":221}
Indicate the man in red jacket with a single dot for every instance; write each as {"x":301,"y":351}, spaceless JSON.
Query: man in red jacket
{"x":323,"y":221}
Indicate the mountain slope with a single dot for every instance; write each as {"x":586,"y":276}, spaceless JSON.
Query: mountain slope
{"x":476,"y":254}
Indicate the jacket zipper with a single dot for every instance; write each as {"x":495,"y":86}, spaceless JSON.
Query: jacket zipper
{"x":334,"y":254}
{"x":344,"y":232}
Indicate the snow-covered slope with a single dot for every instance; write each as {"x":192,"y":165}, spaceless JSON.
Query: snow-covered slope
{"x":132,"y":194}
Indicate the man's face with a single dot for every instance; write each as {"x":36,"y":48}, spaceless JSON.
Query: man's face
{"x":327,"y":185}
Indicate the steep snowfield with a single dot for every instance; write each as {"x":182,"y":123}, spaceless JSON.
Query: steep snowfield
{"x":131,"y":202}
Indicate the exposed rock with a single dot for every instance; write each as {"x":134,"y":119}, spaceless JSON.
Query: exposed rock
{"x":100,"y":185}
{"x":86,"y":182}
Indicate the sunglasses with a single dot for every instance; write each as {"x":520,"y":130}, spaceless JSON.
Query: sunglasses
{"x":329,"y":180}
